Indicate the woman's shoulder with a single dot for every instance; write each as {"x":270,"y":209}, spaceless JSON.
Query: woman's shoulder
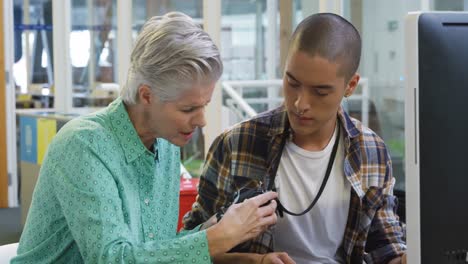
{"x":84,"y":131}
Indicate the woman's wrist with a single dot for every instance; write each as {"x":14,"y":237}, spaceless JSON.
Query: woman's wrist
{"x":218,"y":241}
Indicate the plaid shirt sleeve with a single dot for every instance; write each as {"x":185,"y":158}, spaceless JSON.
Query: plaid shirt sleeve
{"x":214,"y":188}
{"x":385,"y":239}
{"x":233,"y":161}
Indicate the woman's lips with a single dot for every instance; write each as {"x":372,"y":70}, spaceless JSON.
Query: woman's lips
{"x":188,"y":135}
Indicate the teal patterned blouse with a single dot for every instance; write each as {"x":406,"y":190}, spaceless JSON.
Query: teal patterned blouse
{"x":103,"y":197}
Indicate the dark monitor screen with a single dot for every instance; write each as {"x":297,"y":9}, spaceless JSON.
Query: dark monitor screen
{"x":443,"y":136}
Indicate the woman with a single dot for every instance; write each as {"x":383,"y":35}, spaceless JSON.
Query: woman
{"x":108,"y":188}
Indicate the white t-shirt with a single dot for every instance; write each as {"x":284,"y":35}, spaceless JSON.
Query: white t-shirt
{"x":315,"y":237}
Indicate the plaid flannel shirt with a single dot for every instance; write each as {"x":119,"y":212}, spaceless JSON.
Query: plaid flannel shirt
{"x":241,"y":157}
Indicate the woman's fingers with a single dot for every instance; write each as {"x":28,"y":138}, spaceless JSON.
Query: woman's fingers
{"x":267,"y":209}
{"x":248,"y":219}
{"x":268,"y":221}
{"x":263,"y":198}
{"x":286,"y":259}
{"x":278,"y":258}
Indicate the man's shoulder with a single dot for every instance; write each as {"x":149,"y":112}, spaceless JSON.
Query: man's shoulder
{"x":369,"y":152}
{"x":367,"y":138}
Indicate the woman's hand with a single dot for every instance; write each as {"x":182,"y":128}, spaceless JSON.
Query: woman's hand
{"x":242,"y":222}
{"x":210,"y":222}
{"x":277,"y":258}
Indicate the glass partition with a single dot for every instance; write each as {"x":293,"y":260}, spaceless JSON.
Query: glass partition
{"x":144,"y":9}
{"x":33,"y":53}
{"x":93,"y":51}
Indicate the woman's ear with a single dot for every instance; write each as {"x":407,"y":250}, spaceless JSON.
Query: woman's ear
{"x":352,"y":84}
{"x":145,"y":95}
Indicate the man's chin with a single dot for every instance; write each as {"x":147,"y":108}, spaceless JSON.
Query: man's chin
{"x":301,"y":130}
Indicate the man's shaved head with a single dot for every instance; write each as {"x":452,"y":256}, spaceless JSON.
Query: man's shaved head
{"x":331,"y":37}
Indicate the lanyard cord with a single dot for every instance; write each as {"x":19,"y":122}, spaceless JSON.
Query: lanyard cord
{"x":281,"y":207}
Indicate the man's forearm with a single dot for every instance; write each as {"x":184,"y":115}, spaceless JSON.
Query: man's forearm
{"x":247,"y":258}
{"x":399,"y":260}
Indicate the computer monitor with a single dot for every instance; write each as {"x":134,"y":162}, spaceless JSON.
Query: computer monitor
{"x":436,"y":133}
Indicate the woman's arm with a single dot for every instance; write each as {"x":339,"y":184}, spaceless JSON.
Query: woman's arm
{"x":90,"y":201}
{"x":89,"y":198}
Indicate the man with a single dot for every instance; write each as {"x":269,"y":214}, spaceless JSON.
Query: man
{"x":333,"y":175}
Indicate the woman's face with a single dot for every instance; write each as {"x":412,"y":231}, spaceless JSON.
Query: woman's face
{"x":176,"y":120}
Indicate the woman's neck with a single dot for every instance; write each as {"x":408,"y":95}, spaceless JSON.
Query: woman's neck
{"x":138,"y":118}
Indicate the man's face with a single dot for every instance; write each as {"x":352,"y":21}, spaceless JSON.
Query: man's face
{"x":313,"y":87}
{"x":176,"y":120}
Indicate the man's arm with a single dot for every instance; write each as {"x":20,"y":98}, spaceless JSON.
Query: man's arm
{"x":399,"y":260}
{"x":385,"y":241}
{"x":211,"y":194}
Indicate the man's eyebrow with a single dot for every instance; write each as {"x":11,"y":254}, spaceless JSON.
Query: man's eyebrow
{"x":318,"y":86}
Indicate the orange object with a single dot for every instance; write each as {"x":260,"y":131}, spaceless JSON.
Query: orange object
{"x":188,"y":194}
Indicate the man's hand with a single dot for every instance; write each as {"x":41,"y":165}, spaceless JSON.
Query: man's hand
{"x":399,"y":260}
{"x":277,"y":258}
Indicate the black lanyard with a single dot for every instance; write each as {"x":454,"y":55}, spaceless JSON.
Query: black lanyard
{"x":277,"y":159}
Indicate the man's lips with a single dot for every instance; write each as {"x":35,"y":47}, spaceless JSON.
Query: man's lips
{"x":305,"y":118}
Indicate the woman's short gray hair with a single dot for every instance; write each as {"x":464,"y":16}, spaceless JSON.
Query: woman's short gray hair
{"x":171,"y":54}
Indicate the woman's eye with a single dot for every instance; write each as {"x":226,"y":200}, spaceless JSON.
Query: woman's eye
{"x":293,"y":84}
{"x":188,"y":110}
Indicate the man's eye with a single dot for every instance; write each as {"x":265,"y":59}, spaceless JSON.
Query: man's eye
{"x":320,"y":92}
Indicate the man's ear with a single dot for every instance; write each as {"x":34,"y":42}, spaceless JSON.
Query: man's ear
{"x":145,"y":95}
{"x":352,"y":84}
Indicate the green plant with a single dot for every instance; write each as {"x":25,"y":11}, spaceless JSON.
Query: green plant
{"x":194,"y":167}
{"x":396,"y":147}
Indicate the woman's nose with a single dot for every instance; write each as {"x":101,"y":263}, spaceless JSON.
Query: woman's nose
{"x":199,"y":120}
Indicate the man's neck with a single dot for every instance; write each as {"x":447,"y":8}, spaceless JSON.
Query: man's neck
{"x":318,"y":140}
